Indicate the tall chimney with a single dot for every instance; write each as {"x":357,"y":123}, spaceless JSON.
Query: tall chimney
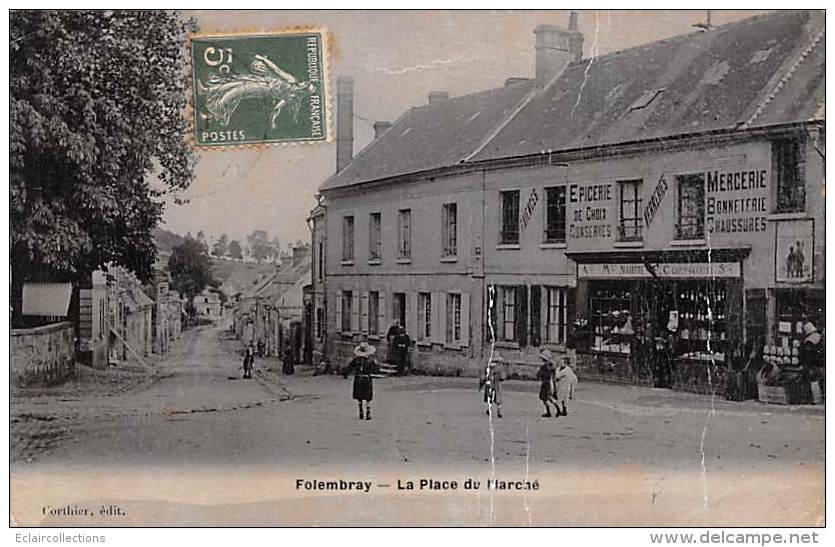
{"x":380,"y":128}
{"x":344,"y":121}
{"x":555,"y":48}
{"x":438,"y":96}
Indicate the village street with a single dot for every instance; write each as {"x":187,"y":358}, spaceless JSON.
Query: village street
{"x":674,"y":453}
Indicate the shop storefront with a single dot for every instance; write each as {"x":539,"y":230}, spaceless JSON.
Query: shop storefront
{"x":660,"y":318}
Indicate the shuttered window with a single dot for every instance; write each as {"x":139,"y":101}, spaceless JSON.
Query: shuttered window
{"x":556,"y":315}
{"x":373,"y":312}
{"x":424,"y":318}
{"x":347,"y":310}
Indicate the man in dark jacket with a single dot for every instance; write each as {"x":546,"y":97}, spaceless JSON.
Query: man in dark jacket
{"x":401,"y":343}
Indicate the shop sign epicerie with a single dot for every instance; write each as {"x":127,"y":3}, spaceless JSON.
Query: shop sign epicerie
{"x":684,"y":269}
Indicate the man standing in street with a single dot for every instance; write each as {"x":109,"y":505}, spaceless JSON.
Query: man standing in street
{"x":390,"y":334}
{"x":401,"y":350}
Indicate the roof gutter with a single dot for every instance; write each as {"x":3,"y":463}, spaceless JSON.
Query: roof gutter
{"x":562,"y":157}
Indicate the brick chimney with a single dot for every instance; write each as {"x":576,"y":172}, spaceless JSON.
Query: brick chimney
{"x":555,"y":48}
{"x":438,"y":96}
{"x":380,"y":128}
{"x":344,"y":121}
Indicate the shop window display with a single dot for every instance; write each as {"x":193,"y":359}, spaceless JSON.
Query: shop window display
{"x":702,"y":321}
{"x":611,"y":318}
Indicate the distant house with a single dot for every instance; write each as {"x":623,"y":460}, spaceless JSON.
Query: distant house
{"x":273,"y":302}
{"x":207,"y":304}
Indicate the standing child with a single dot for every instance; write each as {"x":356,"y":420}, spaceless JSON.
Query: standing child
{"x":491,"y":381}
{"x":363,"y":366}
{"x":249,"y":359}
{"x":545,"y":375}
{"x":565,"y":381}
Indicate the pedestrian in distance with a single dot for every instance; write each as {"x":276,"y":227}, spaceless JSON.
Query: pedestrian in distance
{"x":565,"y":382}
{"x":401,"y":350}
{"x":545,"y":375}
{"x":390,"y":334}
{"x":491,"y":382}
{"x":261,"y":347}
{"x":249,"y":360}
{"x":363,"y":366}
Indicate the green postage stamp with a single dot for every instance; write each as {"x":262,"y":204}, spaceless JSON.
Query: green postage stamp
{"x":260,"y":88}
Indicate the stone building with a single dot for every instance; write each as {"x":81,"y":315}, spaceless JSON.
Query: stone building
{"x":675,"y":182}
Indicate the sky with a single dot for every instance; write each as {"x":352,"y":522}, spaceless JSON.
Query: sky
{"x":396,"y":58}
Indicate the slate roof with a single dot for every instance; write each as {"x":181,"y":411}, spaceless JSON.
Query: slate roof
{"x":766,"y":70}
{"x":434,"y":135}
{"x":703,"y":81}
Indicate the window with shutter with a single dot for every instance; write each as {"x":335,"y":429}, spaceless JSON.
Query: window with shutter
{"x":522,"y":315}
{"x":382,"y":327}
{"x":373,"y":312}
{"x":364,"y":313}
{"x":465,"y":319}
{"x":355,"y":312}
{"x":536,"y":300}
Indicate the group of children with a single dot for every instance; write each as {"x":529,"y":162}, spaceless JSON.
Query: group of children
{"x":557,"y":382}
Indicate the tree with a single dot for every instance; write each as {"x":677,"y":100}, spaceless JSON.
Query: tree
{"x":221,"y":246}
{"x":235,"y":250}
{"x":96,"y":112}
{"x":190,"y":268}
{"x":259,"y":245}
{"x":201,"y":239}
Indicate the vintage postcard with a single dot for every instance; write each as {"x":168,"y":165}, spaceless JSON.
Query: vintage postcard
{"x":417,"y":268}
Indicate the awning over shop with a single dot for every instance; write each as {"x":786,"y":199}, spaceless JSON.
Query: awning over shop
{"x":46,"y":299}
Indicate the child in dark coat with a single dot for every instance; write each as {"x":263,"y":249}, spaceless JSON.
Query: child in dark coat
{"x":363,"y":366}
{"x":545,"y":375}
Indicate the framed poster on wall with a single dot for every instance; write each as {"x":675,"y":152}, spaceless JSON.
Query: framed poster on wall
{"x":794,"y":254}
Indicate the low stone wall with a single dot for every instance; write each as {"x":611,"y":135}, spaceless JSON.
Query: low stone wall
{"x":43,"y":355}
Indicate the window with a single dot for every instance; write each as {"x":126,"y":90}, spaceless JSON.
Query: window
{"x":509,"y":234}
{"x":374,"y":244}
{"x":404,"y":233}
{"x":691,"y":206}
{"x":556,"y":315}
{"x":348,"y":238}
{"x":555,"y":215}
{"x":321,"y":261}
{"x":373,"y":312}
{"x":507,"y":309}
{"x":791,"y":190}
{"x":453,"y":318}
{"x":450,"y":229}
{"x":794,"y":309}
{"x":347,"y":310}
{"x":424,"y":316}
{"x":630,"y":207}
